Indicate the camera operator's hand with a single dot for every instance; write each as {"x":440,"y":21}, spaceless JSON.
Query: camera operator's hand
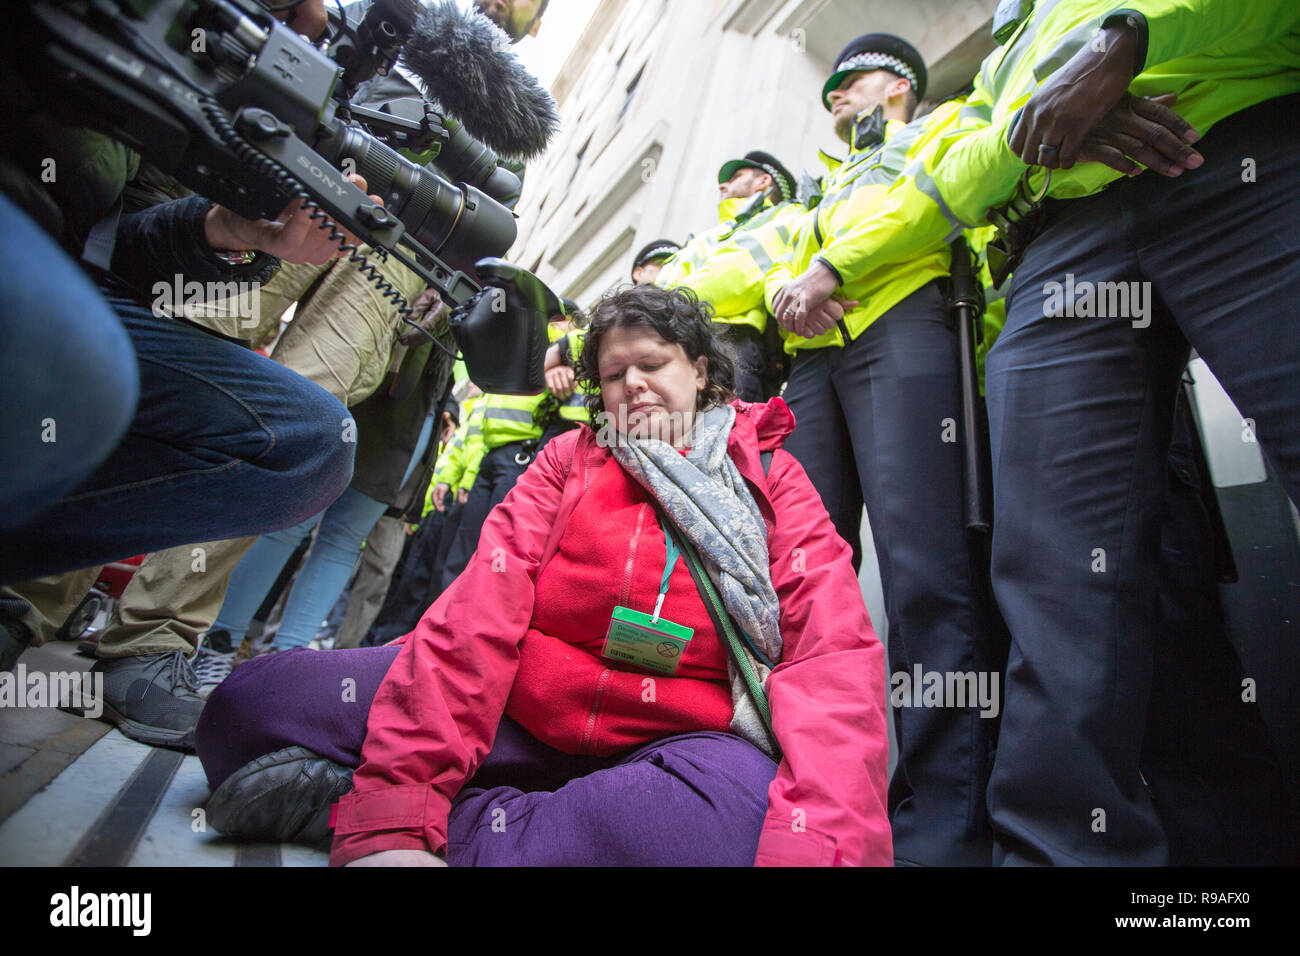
{"x":293,"y":237}
{"x":462,"y":496}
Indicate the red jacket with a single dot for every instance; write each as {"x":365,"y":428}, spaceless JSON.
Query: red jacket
{"x":433,"y":719}
{"x":566,"y":693}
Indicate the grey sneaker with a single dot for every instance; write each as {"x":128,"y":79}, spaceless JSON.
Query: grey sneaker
{"x":152,"y":699}
{"x":285,"y":796}
{"x":214,"y":661}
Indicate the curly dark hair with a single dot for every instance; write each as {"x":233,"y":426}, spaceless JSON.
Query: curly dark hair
{"x":677,"y":316}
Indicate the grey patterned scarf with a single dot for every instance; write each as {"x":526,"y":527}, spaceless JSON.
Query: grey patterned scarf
{"x":704,"y":493}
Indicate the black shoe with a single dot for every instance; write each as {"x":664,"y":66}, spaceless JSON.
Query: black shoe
{"x":152,"y":699}
{"x":14,"y":634}
{"x":283,"y":797}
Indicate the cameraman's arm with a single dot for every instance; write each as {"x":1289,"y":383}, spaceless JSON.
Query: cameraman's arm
{"x":159,"y":243}
{"x":187,"y":237}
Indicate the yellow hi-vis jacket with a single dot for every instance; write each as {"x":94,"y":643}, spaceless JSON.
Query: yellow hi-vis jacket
{"x":1218,"y":56}
{"x":732,"y":214}
{"x":852,"y":193}
{"x":506,"y":419}
{"x":572,"y":409}
{"x":728,"y":271}
{"x":451,"y":464}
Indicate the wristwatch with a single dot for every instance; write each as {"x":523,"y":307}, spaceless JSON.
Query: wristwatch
{"x":232,"y":258}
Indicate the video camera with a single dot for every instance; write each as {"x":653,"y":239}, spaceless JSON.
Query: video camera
{"x":242,"y":110}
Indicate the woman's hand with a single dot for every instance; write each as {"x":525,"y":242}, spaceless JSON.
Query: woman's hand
{"x":400,"y":858}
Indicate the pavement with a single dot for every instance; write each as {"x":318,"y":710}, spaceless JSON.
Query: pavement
{"x":76,"y":792}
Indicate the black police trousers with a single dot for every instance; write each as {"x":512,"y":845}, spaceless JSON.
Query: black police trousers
{"x":1081,"y":398}
{"x":879,"y":422}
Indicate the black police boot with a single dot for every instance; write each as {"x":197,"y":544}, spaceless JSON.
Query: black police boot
{"x":284,"y":796}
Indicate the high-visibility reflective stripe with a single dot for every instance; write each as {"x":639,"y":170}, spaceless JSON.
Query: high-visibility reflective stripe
{"x":509,"y":414}
{"x":784,"y":233}
{"x":980,"y":111}
{"x":756,"y":250}
{"x":892,"y":156}
{"x":927,"y":187}
{"x":1020,"y":42}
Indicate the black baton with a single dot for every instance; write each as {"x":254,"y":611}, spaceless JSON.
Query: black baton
{"x":968,"y":309}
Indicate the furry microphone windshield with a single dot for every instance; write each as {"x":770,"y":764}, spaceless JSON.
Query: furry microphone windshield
{"x":463,"y":61}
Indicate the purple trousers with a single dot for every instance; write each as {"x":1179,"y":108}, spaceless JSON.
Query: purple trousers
{"x":696,"y":799}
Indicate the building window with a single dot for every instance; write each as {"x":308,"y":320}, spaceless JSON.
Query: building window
{"x":577,"y":163}
{"x":631,"y":92}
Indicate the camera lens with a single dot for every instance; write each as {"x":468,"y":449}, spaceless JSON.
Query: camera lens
{"x":456,"y":222}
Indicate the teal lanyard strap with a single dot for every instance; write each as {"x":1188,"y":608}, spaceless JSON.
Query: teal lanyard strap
{"x":673,"y":553}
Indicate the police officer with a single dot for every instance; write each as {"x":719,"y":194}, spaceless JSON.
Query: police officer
{"x":509,"y":438}
{"x":650,"y":259}
{"x":1075,"y":562}
{"x":567,"y":410}
{"x":725,"y":265}
{"x":1116,"y":276}
{"x":875,"y":392}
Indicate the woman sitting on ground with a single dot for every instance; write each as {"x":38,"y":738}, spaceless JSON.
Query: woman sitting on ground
{"x":658,"y":655}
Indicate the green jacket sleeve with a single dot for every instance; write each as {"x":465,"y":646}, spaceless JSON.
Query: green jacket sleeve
{"x":783,"y":268}
{"x":1176,"y":28}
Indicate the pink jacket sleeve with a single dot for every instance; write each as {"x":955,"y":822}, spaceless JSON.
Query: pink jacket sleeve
{"x":827,"y":805}
{"x":435,"y":715}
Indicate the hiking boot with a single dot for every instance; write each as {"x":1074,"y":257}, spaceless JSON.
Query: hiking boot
{"x":285,"y":796}
{"x":153,"y":699}
{"x":214,"y":661}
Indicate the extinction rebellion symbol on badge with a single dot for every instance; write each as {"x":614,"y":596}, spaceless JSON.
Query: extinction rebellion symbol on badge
{"x":668,"y":649}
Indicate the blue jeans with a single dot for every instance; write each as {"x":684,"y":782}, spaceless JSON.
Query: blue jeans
{"x":222,"y":444}
{"x":1081,"y":413}
{"x":67,"y":371}
{"x":344,"y":526}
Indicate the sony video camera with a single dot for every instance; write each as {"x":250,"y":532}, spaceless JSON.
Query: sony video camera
{"x":242,"y":110}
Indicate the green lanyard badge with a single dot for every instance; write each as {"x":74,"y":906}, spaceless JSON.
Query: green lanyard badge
{"x":649,"y":641}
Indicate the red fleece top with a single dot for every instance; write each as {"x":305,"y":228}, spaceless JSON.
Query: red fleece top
{"x":433,"y":719}
{"x":565,"y":693}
